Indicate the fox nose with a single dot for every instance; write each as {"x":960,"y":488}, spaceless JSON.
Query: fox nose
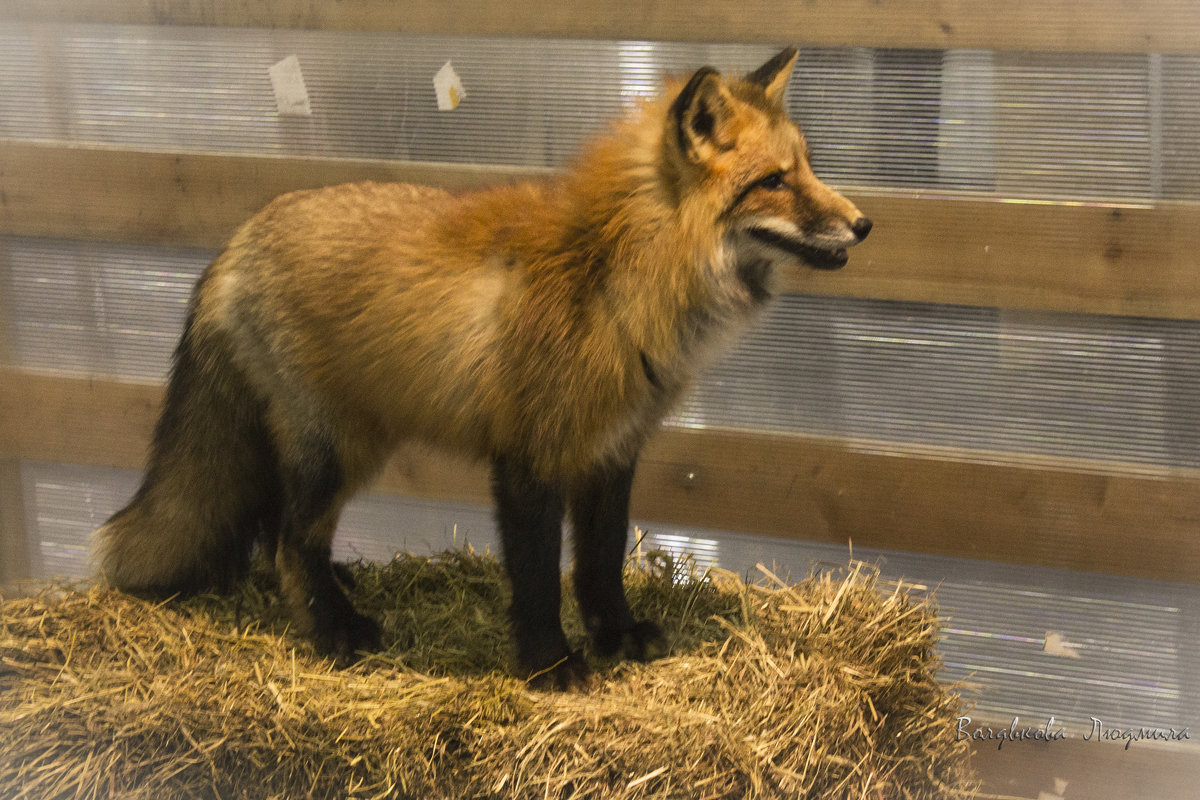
{"x":861,"y":227}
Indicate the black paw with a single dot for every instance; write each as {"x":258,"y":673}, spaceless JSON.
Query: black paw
{"x":567,"y":673}
{"x":642,"y":642}
{"x":346,"y":635}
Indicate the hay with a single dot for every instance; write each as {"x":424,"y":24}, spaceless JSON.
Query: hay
{"x":823,"y":689}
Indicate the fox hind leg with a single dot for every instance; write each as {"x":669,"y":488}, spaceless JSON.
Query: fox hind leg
{"x":600,"y":525}
{"x":529,"y":513}
{"x":313,"y":492}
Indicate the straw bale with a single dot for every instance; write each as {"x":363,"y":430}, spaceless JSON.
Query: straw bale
{"x":821,"y":689}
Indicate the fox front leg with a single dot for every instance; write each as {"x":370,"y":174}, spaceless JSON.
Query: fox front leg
{"x":600,"y":522}
{"x":529,"y":512}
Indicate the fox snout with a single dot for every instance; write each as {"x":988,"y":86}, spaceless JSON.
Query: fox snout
{"x":833,"y":224}
{"x":828,"y":224}
{"x":858,"y":230}
{"x":824,"y":247}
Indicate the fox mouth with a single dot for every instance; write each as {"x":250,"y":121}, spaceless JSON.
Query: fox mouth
{"x":815,"y":257}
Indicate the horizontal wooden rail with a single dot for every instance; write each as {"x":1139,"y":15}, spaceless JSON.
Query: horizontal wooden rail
{"x":1074,"y":514}
{"x":1088,"y":768}
{"x":1138,"y":261}
{"x":187,"y":199}
{"x":1090,"y":25}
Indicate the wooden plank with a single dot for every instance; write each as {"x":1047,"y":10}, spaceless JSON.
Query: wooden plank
{"x":945,"y":502}
{"x":1090,"y":769}
{"x":185,"y":199}
{"x":1100,"y":259}
{"x":7,"y":355}
{"x":1072,"y":257}
{"x":1081,"y":515}
{"x":15,"y":562}
{"x":1092,"y":25}
{"x":76,"y":420}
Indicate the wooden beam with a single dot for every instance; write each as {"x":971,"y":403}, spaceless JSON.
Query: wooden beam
{"x":76,"y":420}
{"x":1092,"y":25}
{"x":186,"y":199}
{"x":7,"y":355}
{"x":949,"y":502}
{"x":1072,"y":257}
{"x":1079,"y":514}
{"x":1088,"y":769}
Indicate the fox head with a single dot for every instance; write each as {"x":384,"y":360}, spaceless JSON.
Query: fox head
{"x":742,"y":166}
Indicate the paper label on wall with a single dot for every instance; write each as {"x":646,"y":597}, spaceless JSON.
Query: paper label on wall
{"x":291,"y":95}
{"x":1057,"y":645}
{"x":449,"y":88}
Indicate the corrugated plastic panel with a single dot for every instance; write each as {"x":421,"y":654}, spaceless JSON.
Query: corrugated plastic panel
{"x":96,"y":308}
{"x":1112,"y":388}
{"x":1090,"y":125}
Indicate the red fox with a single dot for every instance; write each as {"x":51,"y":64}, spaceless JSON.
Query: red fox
{"x":546,"y":327}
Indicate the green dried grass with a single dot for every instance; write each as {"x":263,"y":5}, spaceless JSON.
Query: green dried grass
{"x":823,"y":689}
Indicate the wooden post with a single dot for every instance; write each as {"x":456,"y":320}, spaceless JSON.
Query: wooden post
{"x":14,"y":543}
{"x":15,"y":561}
{"x":7,"y":354}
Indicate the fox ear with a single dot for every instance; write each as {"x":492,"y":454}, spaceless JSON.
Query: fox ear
{"x":774,"y":75}
{"x":701,"y":116}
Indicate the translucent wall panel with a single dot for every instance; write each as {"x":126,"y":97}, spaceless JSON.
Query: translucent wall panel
{"x":1111,"y":388}
{"x":1070,"y":124}
{"x":1090,"y":125}
{"x":27,"y":109}
{"x":96,"y":308}
{"x":1177,"y":119}
{"x":63,"y":505}
{"x":375,"y":527}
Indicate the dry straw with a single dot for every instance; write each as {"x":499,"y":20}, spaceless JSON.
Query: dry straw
{"x":823,"y":689}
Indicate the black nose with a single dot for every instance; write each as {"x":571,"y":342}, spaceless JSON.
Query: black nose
{"x":861,"y":227}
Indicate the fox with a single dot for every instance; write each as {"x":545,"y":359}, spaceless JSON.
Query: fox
{"x":544,"y":327}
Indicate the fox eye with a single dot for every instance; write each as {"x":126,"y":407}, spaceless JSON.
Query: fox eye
{"x":773,"y":181}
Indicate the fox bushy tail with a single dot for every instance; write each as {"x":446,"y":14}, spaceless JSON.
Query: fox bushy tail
{"x":211,"y":484}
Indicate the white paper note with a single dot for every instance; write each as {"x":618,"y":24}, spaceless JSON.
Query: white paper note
{"x":291,"y":96}
{"x":1057,"y":645}
{"x":449,"y":88}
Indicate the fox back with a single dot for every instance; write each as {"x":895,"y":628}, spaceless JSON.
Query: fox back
{"x":546,"y":327}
